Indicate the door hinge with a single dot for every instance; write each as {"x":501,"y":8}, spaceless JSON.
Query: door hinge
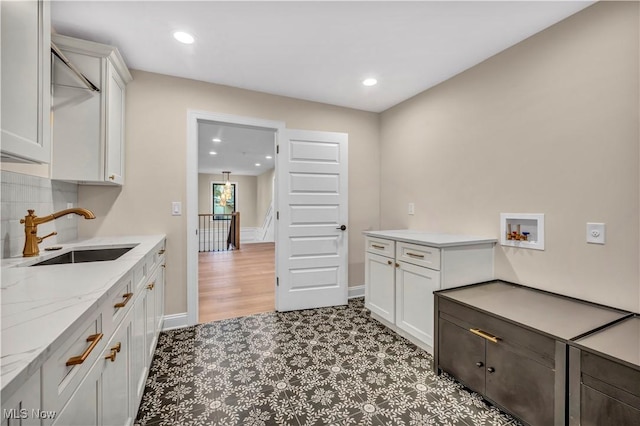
{"x":278,"y":215}
{"x":277,"y":149}
{"x":277,"y":282}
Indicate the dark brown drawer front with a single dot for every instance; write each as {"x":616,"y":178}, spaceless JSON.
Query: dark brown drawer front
{"x":461,"y":354}
{"x":610,"y":372}
{"x":598,"y":409}
{"x":537,"y":344}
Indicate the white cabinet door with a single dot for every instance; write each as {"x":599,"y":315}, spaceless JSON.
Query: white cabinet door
{"x":25,"y":75}
{"x":160,"y":298}
{"x":380,"y":286}
{"x":17,"y":409}
{"x":117,"y":404}
{"x":114,"y":169}
{"x":414,"y":300}
{"x":150,"y":339}
{"x":138,"y":348}
{"x":83,"y":408}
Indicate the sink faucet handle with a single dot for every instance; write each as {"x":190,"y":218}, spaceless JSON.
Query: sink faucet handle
{"x":46,"y":236}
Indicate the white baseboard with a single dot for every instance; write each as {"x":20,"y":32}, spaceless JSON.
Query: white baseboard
{"x":175,"y":321}
{"x":356,"y":291}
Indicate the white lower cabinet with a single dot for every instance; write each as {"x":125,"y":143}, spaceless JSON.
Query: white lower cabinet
{"x":400,"y":278}
{"x":414,"y":300}
{"x":103,"y":397}
{"x":97,"y":376}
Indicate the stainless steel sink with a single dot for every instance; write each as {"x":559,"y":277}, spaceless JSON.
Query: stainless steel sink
{"x":86,"y":255}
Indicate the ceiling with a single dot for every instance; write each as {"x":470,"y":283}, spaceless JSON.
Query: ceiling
{"x":238,"y":151}
{"x":318,"y":51}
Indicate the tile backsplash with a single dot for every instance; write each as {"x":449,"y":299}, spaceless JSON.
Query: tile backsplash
{"x":21,"y":192}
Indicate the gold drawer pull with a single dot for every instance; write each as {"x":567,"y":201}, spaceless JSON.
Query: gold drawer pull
{"x":163,"y":265}
{"x":114,"y":352}
{"x":377,"y":246}
{"x":397,"y":265}
{"x":112,"y":177}
{"x":94,"y":339}
{"x":151,"y":286}
{"x":484,"y":334}
{"x":161,"y":251}
{"x":127,"y":297}
{"x":420,"y":256}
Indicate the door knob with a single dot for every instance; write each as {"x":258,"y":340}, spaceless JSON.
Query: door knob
{"x":479,"y":364}
{"x":491,"y":369}
{"x":342,"y":227}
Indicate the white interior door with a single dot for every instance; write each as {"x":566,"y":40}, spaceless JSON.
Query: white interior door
{"x":312,"y":249}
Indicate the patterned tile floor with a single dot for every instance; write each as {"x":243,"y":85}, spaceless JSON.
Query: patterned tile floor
{"x":313,"y":367}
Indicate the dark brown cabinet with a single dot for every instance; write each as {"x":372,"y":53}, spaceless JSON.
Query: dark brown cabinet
{"x":509,"y":343}
{"x":604,"y":379}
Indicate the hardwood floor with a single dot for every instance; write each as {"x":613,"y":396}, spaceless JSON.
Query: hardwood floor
{"x":236,"y":283}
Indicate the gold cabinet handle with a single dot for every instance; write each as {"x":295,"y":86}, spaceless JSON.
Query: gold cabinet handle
{"x":419,"y":256}
{"x":163,"y":265}
{"x":389,"y":262}
{"x":94,"y":339}
{"x":151,"y":286}
{"x":114,"y":352}
{"x":484,"y":335}
{"x":377,"y":246}
{"x":127,"y":297}
{"x":112,"y":177}
{"x":161,"y":251}
{"x":397,"y":265}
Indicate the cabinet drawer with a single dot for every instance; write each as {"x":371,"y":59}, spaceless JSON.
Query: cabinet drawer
{"x":381,"y":246}
{"x":610,"y":372}
{"x":155,"y":257}
{"x":120,"y":301}
{"x":428,"y":257}
{"x":539,"y":347}
{"x":65,"y":369}
{"x":140,"y":273}
{"x":597,"y":409}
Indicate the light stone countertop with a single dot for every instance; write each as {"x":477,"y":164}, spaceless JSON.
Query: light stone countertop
{"x":429,"y":238}
{"x":41,"y":304}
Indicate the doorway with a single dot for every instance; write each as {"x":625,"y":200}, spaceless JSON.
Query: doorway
{"x":235,"y":199}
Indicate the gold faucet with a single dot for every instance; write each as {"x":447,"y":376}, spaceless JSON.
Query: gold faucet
{"x":31,"y":222}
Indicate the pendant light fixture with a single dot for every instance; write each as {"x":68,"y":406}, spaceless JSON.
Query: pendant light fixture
{"x":225,"y":195}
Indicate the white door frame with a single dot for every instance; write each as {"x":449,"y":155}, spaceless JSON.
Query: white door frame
{"x":193,"y":116}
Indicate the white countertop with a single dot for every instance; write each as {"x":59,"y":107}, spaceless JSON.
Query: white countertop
{"x":41,"y":304}
{"x":429,"y":238}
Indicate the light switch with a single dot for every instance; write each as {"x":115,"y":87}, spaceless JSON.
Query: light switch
{"x":596,"y":233}
{"x":176,"y":208}
{"x":412,"y":209}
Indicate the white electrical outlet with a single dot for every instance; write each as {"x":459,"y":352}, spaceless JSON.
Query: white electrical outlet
{"x":412,"y":209}
{"x":176,"y":208}
{"x":596,"y":233}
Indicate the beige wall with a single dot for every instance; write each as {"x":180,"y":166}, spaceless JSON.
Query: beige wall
{"x":156,"y":159}
{"x":549,"y":126}
{"x":265,"y":193}
{"x":246,"y":196}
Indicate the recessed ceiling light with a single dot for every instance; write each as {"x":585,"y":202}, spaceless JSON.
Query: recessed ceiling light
{"x":183,"y":37}
{"x":268,"y":157}
{"x":213,"y":153}
{"x":257,"y":164}
{"x":370,"y":82}
{"x":216,"y":140}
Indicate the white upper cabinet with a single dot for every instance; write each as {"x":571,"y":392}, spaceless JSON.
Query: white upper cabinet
{"x":88,"y":125}
{"x":26,"y":84}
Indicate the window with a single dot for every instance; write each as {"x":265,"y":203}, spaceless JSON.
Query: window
{"x":223,"y":201}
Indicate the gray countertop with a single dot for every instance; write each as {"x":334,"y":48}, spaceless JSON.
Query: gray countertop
{"x":621,"y":341}
{"x":554,"y":315}
{"x":430,"y":238}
